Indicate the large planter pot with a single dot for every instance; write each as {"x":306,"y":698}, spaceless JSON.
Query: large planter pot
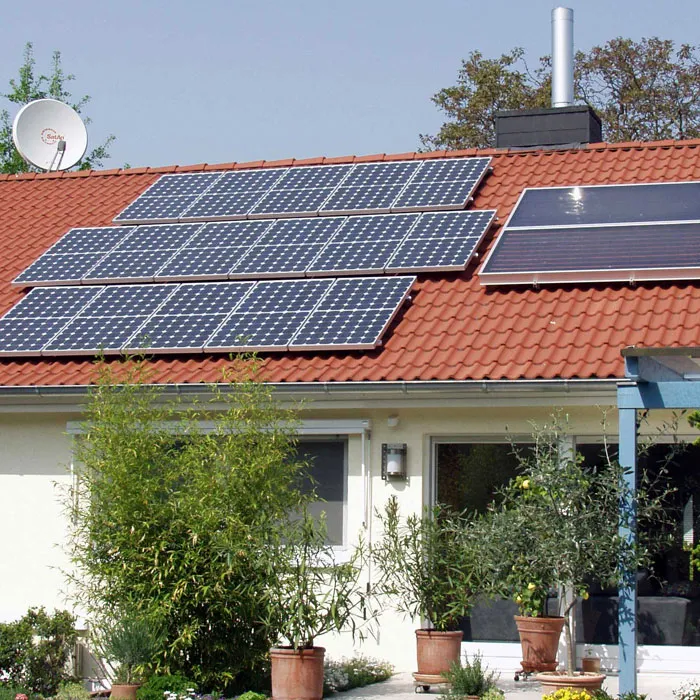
{"x":297,"y":674}
{"x":590,"y":664}
{"x":539,"y":640}
{"x":435,"y":652}
{"x":124,"y":691}
{"x":554,"y":680}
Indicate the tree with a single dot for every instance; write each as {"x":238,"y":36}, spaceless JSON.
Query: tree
{"x":642,"y":91}
{"x":31,"y":86}
{"x":172,"y":523}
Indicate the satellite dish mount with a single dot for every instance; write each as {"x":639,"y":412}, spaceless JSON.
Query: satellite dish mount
{"x":50,"y":135}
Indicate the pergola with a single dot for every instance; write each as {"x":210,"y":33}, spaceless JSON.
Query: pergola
{"x":654,"y":378}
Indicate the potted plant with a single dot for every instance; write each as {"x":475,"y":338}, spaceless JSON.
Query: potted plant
{"x":557,"y":528}
{"x":130,"y":642}
{"x":310,"y":593}
{"x":429,"y":566}
{"x":471,"y":680}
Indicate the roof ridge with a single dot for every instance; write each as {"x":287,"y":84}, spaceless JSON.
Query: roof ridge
{"x":370,"y":158}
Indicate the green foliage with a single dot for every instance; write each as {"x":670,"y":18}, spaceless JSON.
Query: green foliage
{"x":309,"y":593}
{"x":72,"y":691}
{"x":493,"y":693}
{"x":157,"y":685}
{"x":645,"y":90}
{"x":10,"y":692}
{"x":688,"y":691}
{"x":357,"y":672}
{"x":429,"y":565}
{"x":602,"y":694}
{"x":30,"y":86}
{"x":174,"y":522}
{"x":132,"y":642}
{"x":252,"y":695}
{"x":35,"y":649}
{"x":558,"y":526}
{"x":471,"y":677}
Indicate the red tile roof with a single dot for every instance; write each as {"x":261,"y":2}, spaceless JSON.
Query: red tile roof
{"x":454,"y":329}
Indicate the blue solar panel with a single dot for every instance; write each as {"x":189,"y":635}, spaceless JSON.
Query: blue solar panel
{"x":199,"y":299}
{"x":177,"y":333}
{"x":298,"y":202}
{"x":127,"y":266}
{"x":301,"y":231}
{"x":159,"y":237}
{"x":131,"y":300}
{"x":91,"y":335}
{"x":422,"y":195}
{"x":229,"y":234}
{"x":313,"y":177}
{"x":53,"y":302}
{"x":386,"y":227}
{"x":291,"y":295}
{"x":263,"y":331}
{"x":226,"y":205}
{"x":62,"y":269}
{"x":248,"y":181}
{"x":20,"y":336}
{"x":354,"y":257}
{"x":429,"y":254}
{"x":90,"y":240}
{"x":276,"y":260}
{"x":366,"y":293}
{"x":204,"y":263}
{"x":452,"y":170}
{"x":381,"y":174}
{"x":360,"y":328}
{"x":187,"y":184}
{"x":346,"y":200}
{"x":453,"y":224}
{"x":145,"y":208}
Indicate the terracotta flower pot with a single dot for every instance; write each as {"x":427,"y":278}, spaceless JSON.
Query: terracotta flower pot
{"x":590,"y":664}
{"x":297,"y":674}
{"x":124,"y":691}
{"x":435,"y":652}
{"x":554,"y":680}
{"x":539,"y":640}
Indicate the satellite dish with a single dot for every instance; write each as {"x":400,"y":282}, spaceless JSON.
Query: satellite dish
{"x":49,"y":134}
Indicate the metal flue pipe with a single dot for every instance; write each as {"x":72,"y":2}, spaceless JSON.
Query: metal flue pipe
{"x":562,"y":57}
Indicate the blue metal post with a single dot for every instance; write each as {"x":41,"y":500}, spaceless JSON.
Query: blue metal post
{"x":627,"y":610}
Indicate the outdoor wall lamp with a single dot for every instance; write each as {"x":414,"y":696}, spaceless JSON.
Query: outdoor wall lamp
{"x":393,"y":461}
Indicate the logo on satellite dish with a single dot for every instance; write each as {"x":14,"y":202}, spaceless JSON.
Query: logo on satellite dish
{"x":51,"y":136}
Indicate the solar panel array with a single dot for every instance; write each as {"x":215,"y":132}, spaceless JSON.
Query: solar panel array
{"x":270,"y":259}
{"x":315,"y":314}
{"x":599,"y":233}
{"x":415,"y":185}
{"x":318,"y":246}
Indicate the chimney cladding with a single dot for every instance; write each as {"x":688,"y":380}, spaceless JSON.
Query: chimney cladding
{"x":562,"y":57}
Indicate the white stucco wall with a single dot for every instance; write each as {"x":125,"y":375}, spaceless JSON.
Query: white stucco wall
{"x":35,"y":454}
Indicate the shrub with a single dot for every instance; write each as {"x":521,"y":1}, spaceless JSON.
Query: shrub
{"x":35,"y":649}
{"x":9,"y":692}
{"x":252,"y":695}
{"x":493,"y":693}
{"x":133,"y":643}
{"x":174,"y":520}
{"x":156,"y":686}
{"x":357,"y":672}
{"x":469,"y":678}
{"x":72,"y":691}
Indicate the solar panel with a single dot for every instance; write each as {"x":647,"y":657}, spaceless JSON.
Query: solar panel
{"x":301,"y":231}
{"x":210,"y":317}
{"x":160,"y":237}
{"x":129,"y":266}
{"x":90,"y":240}
{"x":206,"y":263}
{"x":59,"y":269}
{"x":309,"y":190}
{"x":357,"y":257}
{"x":353,"y":313}
{"x":276,"y":260}
{"x":389,"y":227}
{"x":230,"y":233}
{"x":601,"y":233}
{"x":606,"y":204}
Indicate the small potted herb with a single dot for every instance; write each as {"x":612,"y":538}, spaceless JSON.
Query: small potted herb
{"x":471,"y":679}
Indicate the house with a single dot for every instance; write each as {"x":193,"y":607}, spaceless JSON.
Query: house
{"x":462,"y":368}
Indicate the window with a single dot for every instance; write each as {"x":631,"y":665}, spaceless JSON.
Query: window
{"x":327,"y":461}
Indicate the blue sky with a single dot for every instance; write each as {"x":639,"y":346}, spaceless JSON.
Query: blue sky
{"x":191,"y":81}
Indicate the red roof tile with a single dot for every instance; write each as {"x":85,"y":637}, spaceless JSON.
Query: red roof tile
{"x":453,"y":329}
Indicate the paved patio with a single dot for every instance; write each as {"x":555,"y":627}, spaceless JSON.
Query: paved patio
{"x":400,"y":687}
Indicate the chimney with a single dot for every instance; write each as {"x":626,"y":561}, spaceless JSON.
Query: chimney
{"x":562,"y":57}
{"x":565,"y":124}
